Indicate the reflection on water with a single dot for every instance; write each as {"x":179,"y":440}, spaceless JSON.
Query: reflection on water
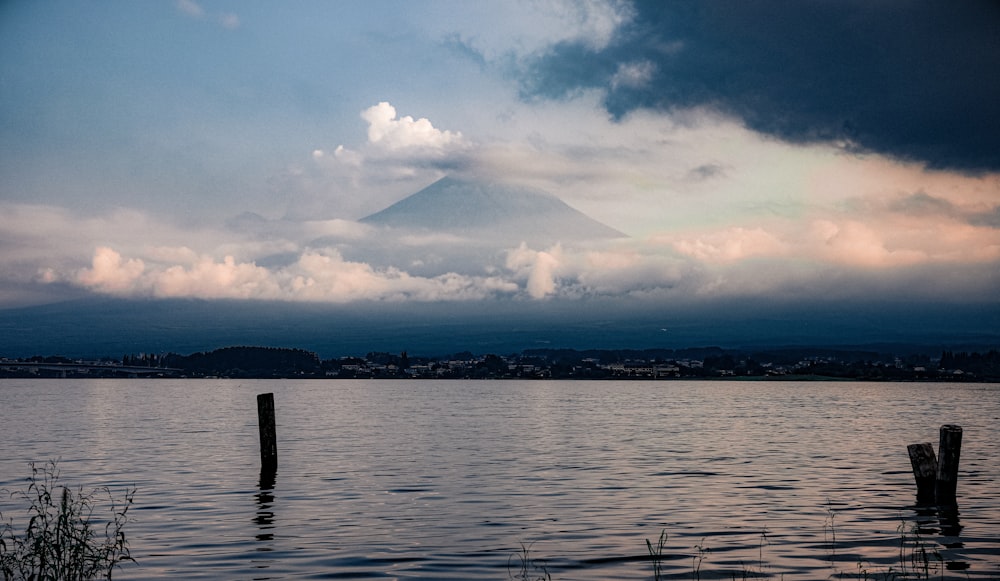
{"x":429,"y":480}
{"x":941,"y":523}
{"x":265,"y":501}
{"x":950,"y":525}
{"x":264,"y":520}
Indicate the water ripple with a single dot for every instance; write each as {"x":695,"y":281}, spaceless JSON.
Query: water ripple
{"x":446,"y":480}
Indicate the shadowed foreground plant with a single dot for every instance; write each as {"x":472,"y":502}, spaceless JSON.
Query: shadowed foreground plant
{"x":530,"y":569}
{"x":63,"y":540}
{"x":698,"y":559}
{"x":656,"y":555}
{"x":921,"y":553}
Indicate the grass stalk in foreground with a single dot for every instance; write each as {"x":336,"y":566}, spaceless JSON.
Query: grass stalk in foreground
{"x":656,"y":555}
{"x":919,"y":559}
{"x":529,"y":569}
{"x":63,"y":539}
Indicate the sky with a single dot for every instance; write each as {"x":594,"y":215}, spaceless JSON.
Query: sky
{"x":837,"y":151}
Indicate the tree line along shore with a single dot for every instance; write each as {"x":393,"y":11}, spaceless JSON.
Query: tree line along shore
{"x":693,"y":363}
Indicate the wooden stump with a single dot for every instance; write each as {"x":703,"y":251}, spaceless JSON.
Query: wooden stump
{"x":925,"y":468}
{"x":949,"y":450}
{"x":268,"y":437}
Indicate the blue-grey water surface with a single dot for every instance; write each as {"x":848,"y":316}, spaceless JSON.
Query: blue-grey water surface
{"x":447,"y":479}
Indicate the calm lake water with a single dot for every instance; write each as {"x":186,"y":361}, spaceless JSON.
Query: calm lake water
{"x":447,"y":480}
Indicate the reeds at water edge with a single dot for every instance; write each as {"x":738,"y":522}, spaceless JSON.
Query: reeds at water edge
{"x":63,"y":538}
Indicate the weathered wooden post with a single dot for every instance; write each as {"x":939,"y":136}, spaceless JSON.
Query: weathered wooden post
{"x":925,"y":468}
{"x":268,"y":438}
{"x":949,"y":450}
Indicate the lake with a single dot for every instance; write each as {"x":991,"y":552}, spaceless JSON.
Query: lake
{"x":453,"y":479}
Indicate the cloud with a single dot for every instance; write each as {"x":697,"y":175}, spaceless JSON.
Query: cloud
{"x":53,"y":246}
{"x":922,"y":204}
{"x":538,"y":267}
{"x":229,"y":20}
{"x":500,"y":32}
{"x":880,"y":245}
{"x":989,"y":218}
{"x":633,"y":75}
{"x":35,"y":234}
{"x":732,"y":245}
{"x":883,"y":240}
{"x":754,"y":217}
{"x":194,"y":10}
{"x":592,"y":22}
{"x":327,"y":276}
{"x":914,"y":83}
{"x":191,"y":8}
{"x":387,"y":131}
{"x":706,"y":171}
{"x":321,"y":275}
{"x":204,"y":277}
{"x":400,"y":155}
{"x":111,"y":274}
{"x":705,"y":218}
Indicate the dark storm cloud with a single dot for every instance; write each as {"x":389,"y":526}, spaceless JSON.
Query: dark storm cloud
{"x":913,"y":80}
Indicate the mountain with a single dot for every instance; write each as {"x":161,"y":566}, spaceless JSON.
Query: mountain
{"x":491,"y":210}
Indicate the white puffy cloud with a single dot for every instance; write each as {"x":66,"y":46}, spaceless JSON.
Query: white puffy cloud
{"x":213,"y":280}
{"x":613,"y":269}
{"x":387,"y":131}
{"x":539,"y":268}
{"x":326,"y":276}
{"x":111,"y":274}
{"x":316,"y":276}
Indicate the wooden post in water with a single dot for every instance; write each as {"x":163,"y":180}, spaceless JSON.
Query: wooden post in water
{"x":925,"y":468}
{"x":949,"y":450}
{"x":268,"y":438}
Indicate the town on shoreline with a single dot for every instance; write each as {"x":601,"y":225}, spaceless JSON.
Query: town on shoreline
{"x":661,"y":364}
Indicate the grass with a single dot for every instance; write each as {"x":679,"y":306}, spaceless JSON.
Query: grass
{"x":63,"y":539}
{"x":918,"y":559}
{"x":656,"y":555}
{"x":924,"y":558}
{"x":528,"y":568}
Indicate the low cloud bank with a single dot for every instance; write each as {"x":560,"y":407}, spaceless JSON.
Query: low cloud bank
{"x":821,"y":258}
{"x":707,"y":226}
{"x":318,"y":276}
{"x":903,"y":245}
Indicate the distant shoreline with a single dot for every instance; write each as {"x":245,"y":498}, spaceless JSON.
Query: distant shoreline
{"x":705,"y":363}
